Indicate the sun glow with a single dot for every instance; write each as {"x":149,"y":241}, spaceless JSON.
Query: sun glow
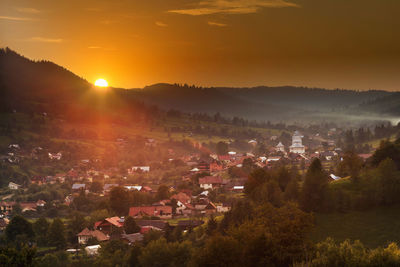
{"x":101,"y":83}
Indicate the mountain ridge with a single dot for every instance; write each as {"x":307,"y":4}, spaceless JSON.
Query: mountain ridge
{"x":23,"y":79}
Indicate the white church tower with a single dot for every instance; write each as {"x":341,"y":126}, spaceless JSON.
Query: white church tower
{"x":297,"y":144}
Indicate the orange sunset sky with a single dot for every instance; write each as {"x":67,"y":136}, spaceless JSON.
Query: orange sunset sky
{"x":351,"y":44}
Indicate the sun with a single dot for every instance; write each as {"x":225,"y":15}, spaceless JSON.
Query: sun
{"x":101,"y":83}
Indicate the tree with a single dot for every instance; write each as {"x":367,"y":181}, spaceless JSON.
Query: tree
{"x":112,"y":253}
{"x":256,"y":178}
{"x":219,"y":251}
{"x":133,"y":256}
{"x":292,"y":190}
{"x":283,"y":176}
{"x":222,"y":148}
{"x":77,"y":223}
{"x":49,"y":260}
{"x":56,"y":235}
{"x":389,"y":182}
{"x":160,"y":253}
{"x":96,"y":187}
{"x":19,"y":226}
{"x":10,"y":256}
{"x":41,"y":227}
{"x":314,"y":187}
{"x":387,"y":150}
{"x":329,"y":253}
{"x":130,"y":226}
{"x":119,"y":200}
{"x":162,"y":192}
{"x":212,"y":226}
{"x":351,"y":165}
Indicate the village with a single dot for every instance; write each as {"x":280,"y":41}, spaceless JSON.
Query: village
{"x":205,"y":186}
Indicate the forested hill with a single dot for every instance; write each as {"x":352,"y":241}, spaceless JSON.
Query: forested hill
{"x":387,"y":104}
{"x":26,"y":83}
{"x":43,"y":86}
{"x":262,"y":102}
{"x":40,"y":80}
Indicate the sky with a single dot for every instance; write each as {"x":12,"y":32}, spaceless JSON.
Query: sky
{"x":352,"y":44}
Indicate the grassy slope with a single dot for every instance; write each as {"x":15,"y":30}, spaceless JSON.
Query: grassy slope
{"x":376,"y":227}
{"x":131,"y":131}
{"x":375,"y":143}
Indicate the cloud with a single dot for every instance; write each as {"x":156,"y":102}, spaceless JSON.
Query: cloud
{"x":46,"y":40}
{"x":161,"y":24}
{"x":101,"y":48}
{"x":208,"y":7}
{"x":28,"y":10}
{"x":15,"y":18}
{"x":212,"y":23}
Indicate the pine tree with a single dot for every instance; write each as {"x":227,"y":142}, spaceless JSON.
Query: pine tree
{"x":56,"y":235}
{"x":314,"y":187}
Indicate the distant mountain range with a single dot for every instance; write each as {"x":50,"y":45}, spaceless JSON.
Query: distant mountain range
{"x":26,"y":82}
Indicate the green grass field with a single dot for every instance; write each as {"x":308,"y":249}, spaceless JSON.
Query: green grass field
{"x":376,"y":227}
{"x":375,"y":143}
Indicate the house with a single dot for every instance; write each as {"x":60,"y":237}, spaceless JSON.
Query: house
{"x":73,"y":174}
{"x":109,"y":224}
{"x":56,"y":156}
{"x":210,"y":208}
{"x":275,"y":158}
{"x":183,"y":208}
{"x":224,"y":158}
{"x":28,"y":206}
{"x":139,"y":168}
{"x":40,"y":203}
{"x":155,"y":223}
{"x":146,"y":189}
{"x":150,"y":143}
{"x":222,"y":208}
{"x":38,"y":180}
{"x":182,"y":197}
{"x":68,"y":200}
{"x":164,"y":212}
{"x":215,"y":166}
{"x":132,"y":238}
{"x":334,"y":177}
{"x":238,"y":188}
{"x":13,"y":186}
{"x":86,"y":235}
{"x":201,"y":204}
{"x":280,"y":147}
{"x":6,"y":207}
{"x":92,"y":250}
{"x":210,"y":182}
{"x":146,"y":229}
{"x":108,"y":187}
{"x":203,"y":166}
{"x":252,"y":142}
{"x":77,"y":187}
{"x":14,"y":146}
{"x":60,"y":177}
{"x":328,"y":155}
{"x":133,"y":187}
